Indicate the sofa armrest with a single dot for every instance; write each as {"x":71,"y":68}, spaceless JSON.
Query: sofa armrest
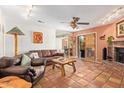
{"x":25,"y":72}
{"x":14,"y":70}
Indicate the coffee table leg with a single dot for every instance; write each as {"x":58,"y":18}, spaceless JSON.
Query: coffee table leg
{"x":53,"y":66}
{"x":62,"y":70}
{"x":74,"y":68}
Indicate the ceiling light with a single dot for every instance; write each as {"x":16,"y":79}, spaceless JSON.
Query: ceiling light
{"x":29,"y":10}
{"x":40,"y":21}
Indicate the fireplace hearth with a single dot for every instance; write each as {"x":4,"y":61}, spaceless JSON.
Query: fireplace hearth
{"x":119,"y":53}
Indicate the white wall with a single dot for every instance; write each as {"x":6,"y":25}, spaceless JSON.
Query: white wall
{"x":26,"y":42}
{"x":59,"y":44}
{"x":1,"y":35}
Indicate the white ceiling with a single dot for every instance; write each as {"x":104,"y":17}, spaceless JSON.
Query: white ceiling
{"x":53,"y":15}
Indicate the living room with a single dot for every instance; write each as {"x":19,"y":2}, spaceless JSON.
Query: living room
{"x":88,"y":46}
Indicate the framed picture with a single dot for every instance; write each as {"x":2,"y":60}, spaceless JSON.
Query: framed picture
{"x":120,"y":29}
{"x":37,"y":37}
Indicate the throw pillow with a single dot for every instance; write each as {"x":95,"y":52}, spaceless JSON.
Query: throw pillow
{"x":26,"y":61}
{"x":35,"y":55}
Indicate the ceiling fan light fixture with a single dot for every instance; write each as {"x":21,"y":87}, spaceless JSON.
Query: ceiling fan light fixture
{"x":73,"y":25}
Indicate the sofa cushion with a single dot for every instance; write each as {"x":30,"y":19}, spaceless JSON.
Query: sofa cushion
{"x":26,"y":61}
{"x":37,"y":62}
{"x":40,"y":54}
{"x":46,"y":53}
{"x":53,"y":52}
{"x":6,"y":62}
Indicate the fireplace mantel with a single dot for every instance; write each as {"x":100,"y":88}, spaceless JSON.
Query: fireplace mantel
{"x":119,"y":46}
{"x":117,"y":43}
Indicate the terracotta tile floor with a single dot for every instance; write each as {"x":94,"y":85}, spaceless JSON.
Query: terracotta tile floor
{"x":89,"y":75}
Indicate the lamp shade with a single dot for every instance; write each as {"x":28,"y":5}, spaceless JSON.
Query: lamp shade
{"x":15,"y":30}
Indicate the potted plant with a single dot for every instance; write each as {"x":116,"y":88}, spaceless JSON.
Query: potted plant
{"x":109,"y":40}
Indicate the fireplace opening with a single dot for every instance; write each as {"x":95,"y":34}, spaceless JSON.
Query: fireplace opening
{"x":119,"y":55}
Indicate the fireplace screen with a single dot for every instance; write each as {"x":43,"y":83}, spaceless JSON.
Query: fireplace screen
{"x":119,"y":55}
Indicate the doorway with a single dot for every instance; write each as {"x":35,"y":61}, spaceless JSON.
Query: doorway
{"x":87,"y":47}
{"x":81,"y":46}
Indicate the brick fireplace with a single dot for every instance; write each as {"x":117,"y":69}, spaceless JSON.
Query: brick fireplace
{"x":118,"y":51}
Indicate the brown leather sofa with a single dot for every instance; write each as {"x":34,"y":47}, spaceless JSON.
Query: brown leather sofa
{"x":46,"y":54}
{"x":11,"y":66}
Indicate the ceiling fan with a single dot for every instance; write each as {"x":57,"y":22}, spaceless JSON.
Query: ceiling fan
{"x":74,"y":23}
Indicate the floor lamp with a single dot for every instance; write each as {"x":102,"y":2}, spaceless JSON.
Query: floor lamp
{"x":15,"y":31}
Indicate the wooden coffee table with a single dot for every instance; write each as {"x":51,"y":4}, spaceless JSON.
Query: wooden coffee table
{"x":61,"y":62}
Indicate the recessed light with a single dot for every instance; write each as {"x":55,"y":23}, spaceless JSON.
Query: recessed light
{"x":40,"y":21}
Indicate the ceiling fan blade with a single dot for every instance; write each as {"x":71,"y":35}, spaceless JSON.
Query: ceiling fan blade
{"x":83,"y":23}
